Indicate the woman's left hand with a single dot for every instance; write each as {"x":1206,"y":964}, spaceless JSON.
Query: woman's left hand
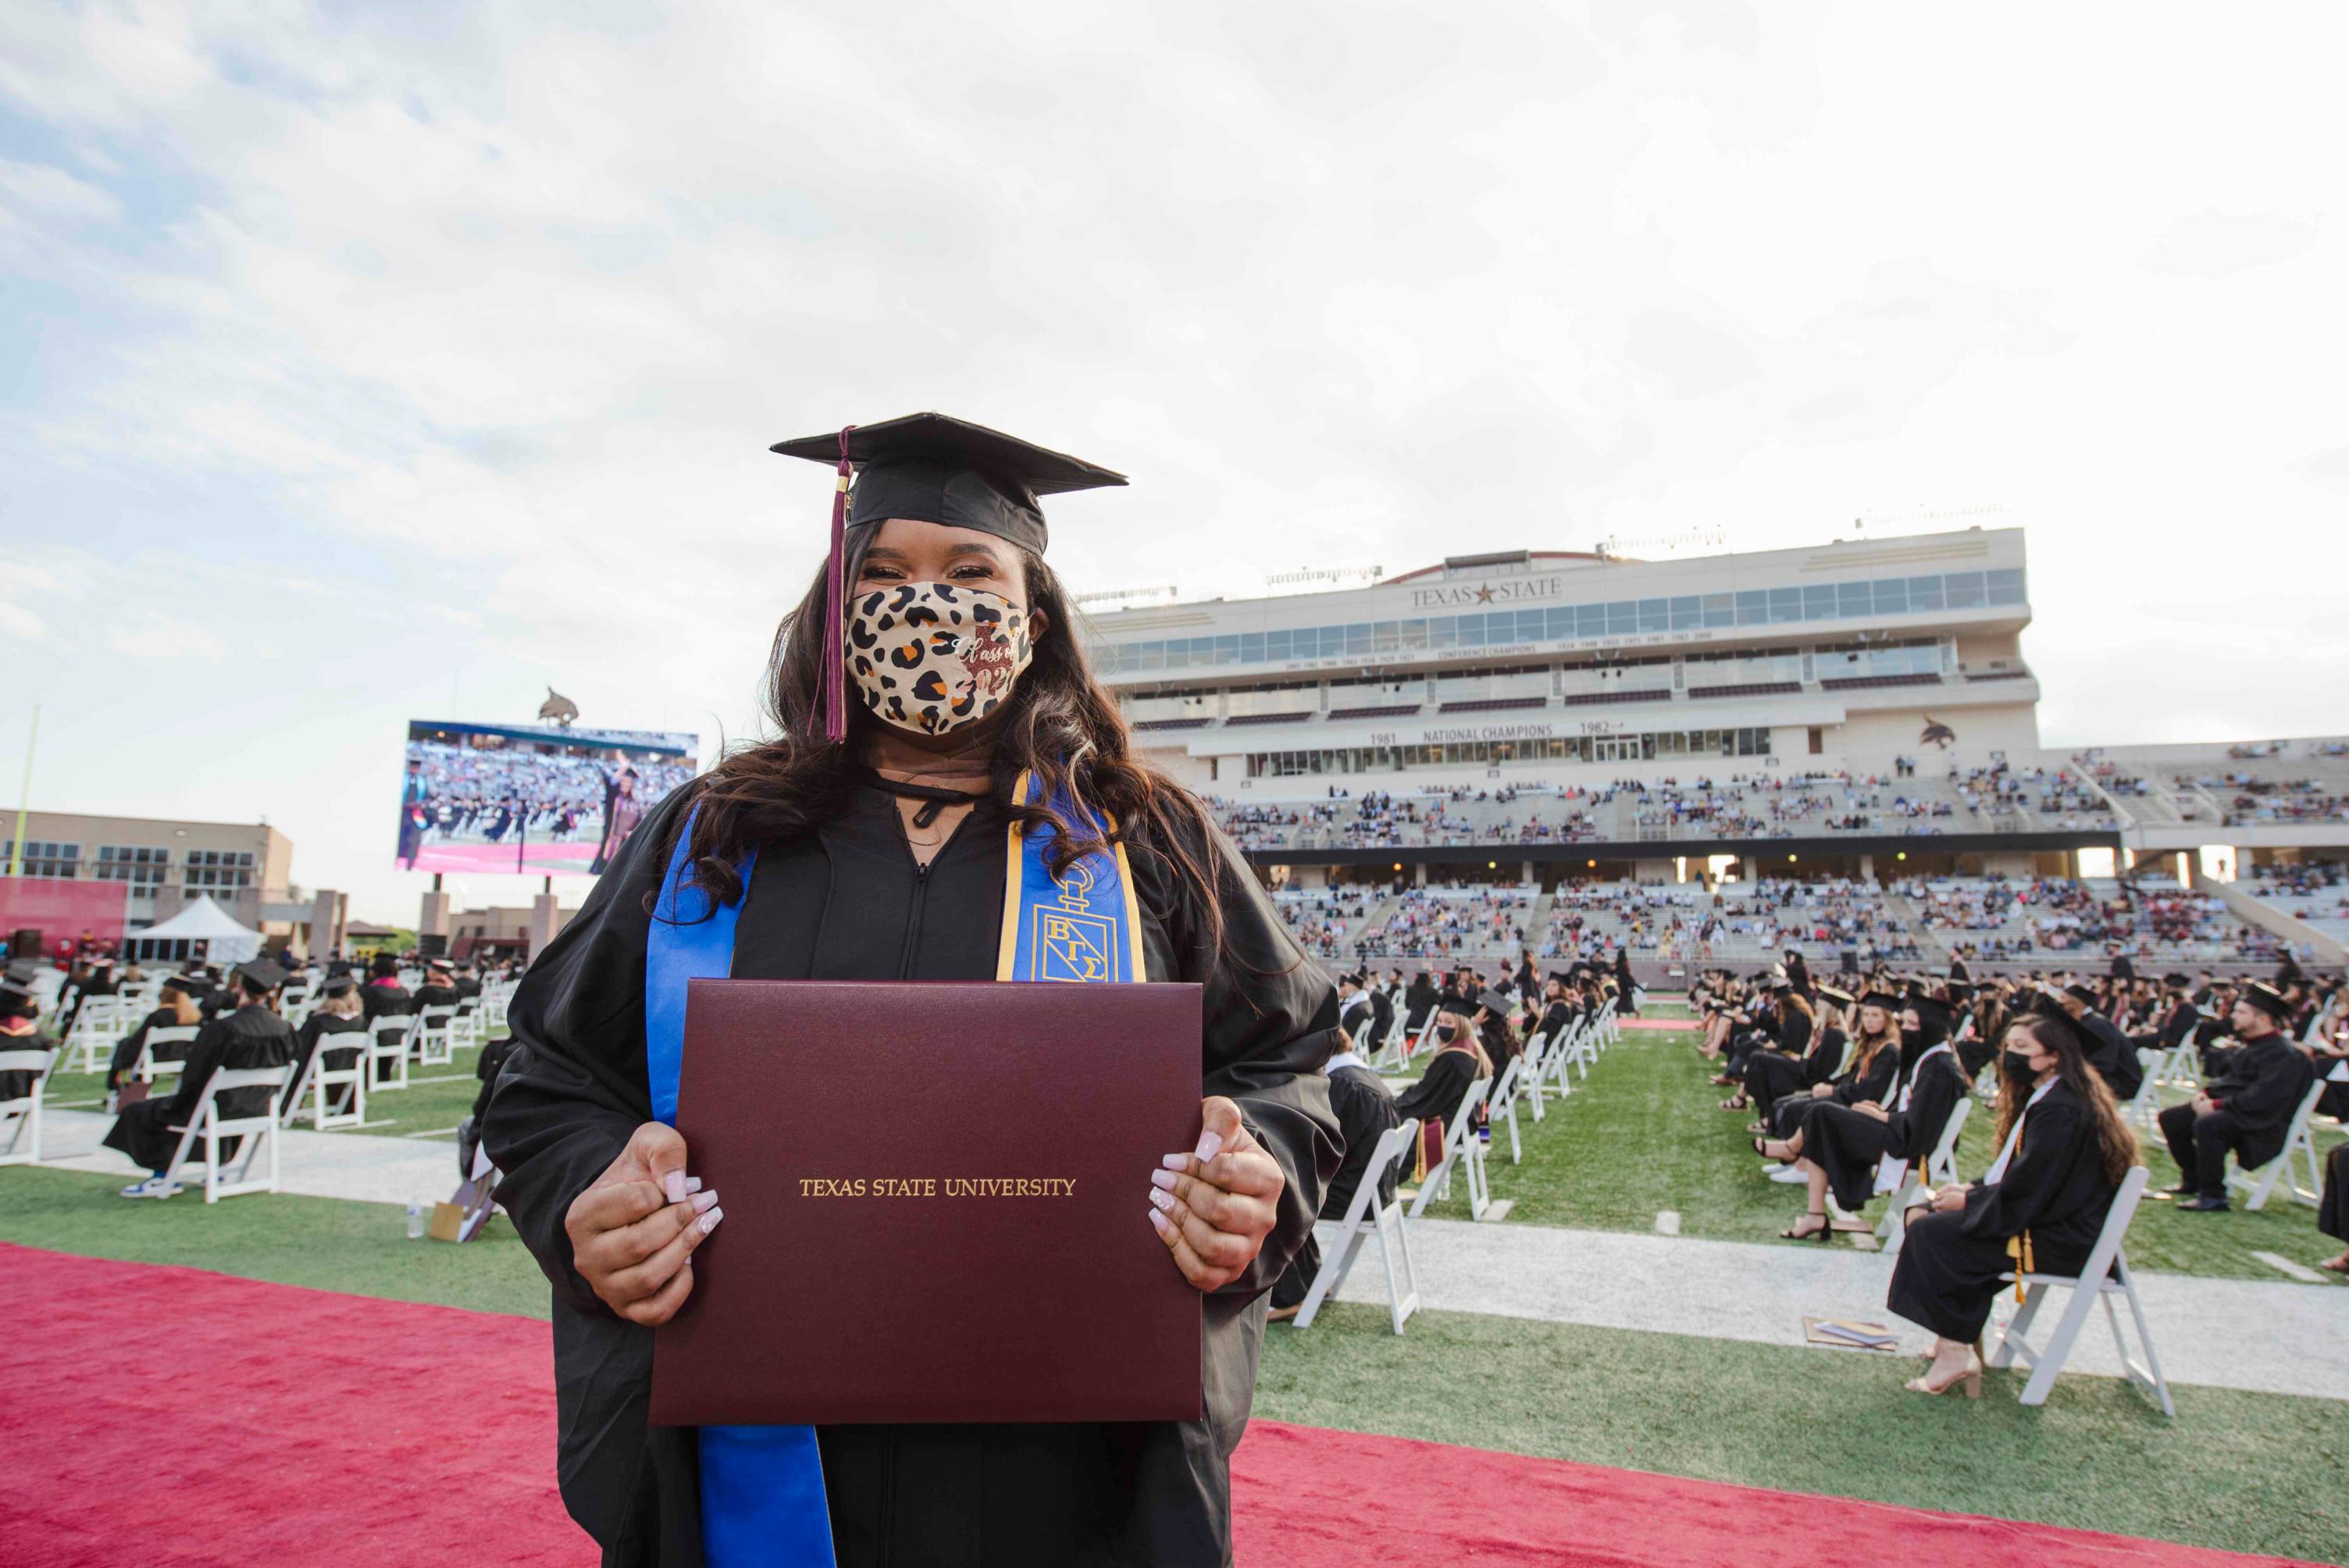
{"x":1213,"y":1206}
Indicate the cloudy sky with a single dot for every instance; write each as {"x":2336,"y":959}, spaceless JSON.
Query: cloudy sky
{"x":364,"y":363}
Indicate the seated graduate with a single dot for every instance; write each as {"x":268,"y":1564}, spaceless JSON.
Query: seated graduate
{"x":2111,"y":1053}
{"x":1842,"y":1149}
{"x":250,"y":1036}
{"x":1773,"y":1074}
{"x":1419,"y":1001}
{"x":20,"y":1010}
{"x":2332,"y":1211}
{"x":1355,"y":1009}
{"x":1460,"y":1059}
{"x":1557,"y":1012}
{"x":439,"y":987}
{"x":1787,"y":1028}
{"x":178,"y":1006}
{"x":1870,"y":1061}
{"x":339,"y":1012}
{"x":870,"y":841}
{"x":2063,"y":1152}
{"x":1365,"y":1108}
{"x":2246,"y":1111}
{"x":1986,"y":1005}
{"x":383,"y":996}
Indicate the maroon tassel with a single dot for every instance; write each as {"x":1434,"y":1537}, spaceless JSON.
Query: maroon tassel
{"x":832,"y":702}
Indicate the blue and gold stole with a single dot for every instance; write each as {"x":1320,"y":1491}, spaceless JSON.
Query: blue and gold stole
{"x":762,"y":1497}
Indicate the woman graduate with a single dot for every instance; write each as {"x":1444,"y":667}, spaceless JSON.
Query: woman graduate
{"x":1842,"y":1149}
{"x":930,"y":695}
{"x":2063,"y":1152}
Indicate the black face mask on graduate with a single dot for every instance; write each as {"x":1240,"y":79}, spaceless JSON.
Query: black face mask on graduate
{"x":1447,"y":1033}
{"x":2016,"y":1067}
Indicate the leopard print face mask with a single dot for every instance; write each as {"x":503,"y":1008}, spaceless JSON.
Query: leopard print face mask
{"x":931,"y":656}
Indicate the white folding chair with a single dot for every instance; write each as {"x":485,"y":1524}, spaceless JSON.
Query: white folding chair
{"x":2299,"y":1148}
{"x":1536,"y":1060}
{"x":388,"y":1041}
{"x":257,"y":1131}
{"x":1366,"y":1217}
{"x":95,"y":1029}
{"x":153,"y":1063}
{"x":2145,"y":1106}
{"x":347,"y":1084}
{"x":1505,"y":1105}
{"x":2105,"y":1276}
{"x":1461,"y":1147}
{"x":1940,"y":1170}
{"x":465,"y":1029}
{"x":20,"y":1118}
{"x":434,"y":1047}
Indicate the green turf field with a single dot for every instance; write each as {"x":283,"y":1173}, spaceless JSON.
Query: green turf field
{"x":2251,"y":1472}
{"x":1644,"y":1134}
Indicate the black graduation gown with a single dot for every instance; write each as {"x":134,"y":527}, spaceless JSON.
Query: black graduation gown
{"x":1787,"y":1112}
{"x":1847,"y":1143}
{"x":2257,"y":1097}
{"x":251,"y":1037}
{"x":1417,"y":1003}
{"x":1381,"y":1016}
{"x":1948,"y":1272}
{"x":1437,"y":1095}
{"x":341,"y":1056}
{"x":1771,"y":1076}
{"x":127,"y":1050}
{"x":2114,"y":1056}
{"x":18,"y":1085}
{"x":847,"y":902}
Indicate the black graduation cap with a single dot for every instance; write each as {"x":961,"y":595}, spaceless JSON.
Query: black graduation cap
{"x":1884,"y":999}
{"x":2178,"y":982}
{"x":261,"y":972}
{"x":2268,"y":1000}
{"x":188,"y":984}
{"x":2081,"y":993}
{"x":17,"y":1000}
{"x":934,"y":469}
{"x":1493,"y":1002}
{"x":340,"y":985}
{"x":1836,"y":995}
{"x":1932,"y":1017}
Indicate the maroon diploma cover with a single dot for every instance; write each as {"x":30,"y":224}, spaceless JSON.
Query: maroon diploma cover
{"x":936,"y":1201}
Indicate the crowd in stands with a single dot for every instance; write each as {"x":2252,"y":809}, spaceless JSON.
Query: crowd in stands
{"x":480,"y":794}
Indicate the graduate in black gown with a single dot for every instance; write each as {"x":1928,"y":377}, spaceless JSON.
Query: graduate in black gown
{"x":1365,"y":1108}
{"x":1839,"y":1148}
{"x":1459,"y":1061}
{"x":1787,"y":1068}
{"x":249,"y":1035}
{"x":1870,"y":1063}
{"x":2110,"y":1052}
{"x":2064,"y":1152}
{"x":180,"y":1006}
{"x":20,"y":1031}
{"x":340,"y":1018}
{"x":2245,"y":1111}
{"x":879,"y":819}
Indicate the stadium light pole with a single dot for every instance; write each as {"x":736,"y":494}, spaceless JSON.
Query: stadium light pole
{"x":24,"y":798}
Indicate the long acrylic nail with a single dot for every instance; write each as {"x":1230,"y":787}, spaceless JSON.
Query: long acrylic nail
{"x":704,"y":1202}
{"x":1176,"y":1161}
{"x":673,"y":1186}
{"x":1160,"y":1222}
{"x":1210,"y":1145}
{"x":693,"y":1183}
{"x":1159,"y":1201}
{"x":709,"y":1222}
{"x":1162,"y":1179}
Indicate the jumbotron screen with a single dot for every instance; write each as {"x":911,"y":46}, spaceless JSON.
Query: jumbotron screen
{"x":539,"y":799}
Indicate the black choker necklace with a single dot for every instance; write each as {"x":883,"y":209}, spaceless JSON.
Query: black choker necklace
{"x":935,"y":798}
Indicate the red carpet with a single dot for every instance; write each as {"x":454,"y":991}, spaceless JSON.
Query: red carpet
{"x":175,"y":1418}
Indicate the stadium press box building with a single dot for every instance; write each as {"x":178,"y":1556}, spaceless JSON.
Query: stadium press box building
{"x":1561,"y":666}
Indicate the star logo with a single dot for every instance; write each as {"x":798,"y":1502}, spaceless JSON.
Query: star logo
{"x":1485,"y":595}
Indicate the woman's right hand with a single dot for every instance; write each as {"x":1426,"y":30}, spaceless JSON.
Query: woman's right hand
{"x":633,"y":1232}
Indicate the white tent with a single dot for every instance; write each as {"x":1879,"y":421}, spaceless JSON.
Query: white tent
{"x":206,"y":922}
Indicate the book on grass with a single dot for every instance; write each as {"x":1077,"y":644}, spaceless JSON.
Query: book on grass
{"x":1847,"y":1335}
{"x":935,"y":1198}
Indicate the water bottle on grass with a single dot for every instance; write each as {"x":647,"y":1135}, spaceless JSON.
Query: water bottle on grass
{"x":415,"y":1220}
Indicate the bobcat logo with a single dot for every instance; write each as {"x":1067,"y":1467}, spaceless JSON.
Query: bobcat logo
{"x":558,"y":707}
{"x":1937,"y":733}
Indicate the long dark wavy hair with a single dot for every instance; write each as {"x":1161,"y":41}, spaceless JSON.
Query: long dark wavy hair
{"x":2116,"y":1147}
{"x":1059,"y":723}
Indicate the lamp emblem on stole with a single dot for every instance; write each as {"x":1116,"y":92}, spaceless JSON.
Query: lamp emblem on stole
{"x":1074,"y":942}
